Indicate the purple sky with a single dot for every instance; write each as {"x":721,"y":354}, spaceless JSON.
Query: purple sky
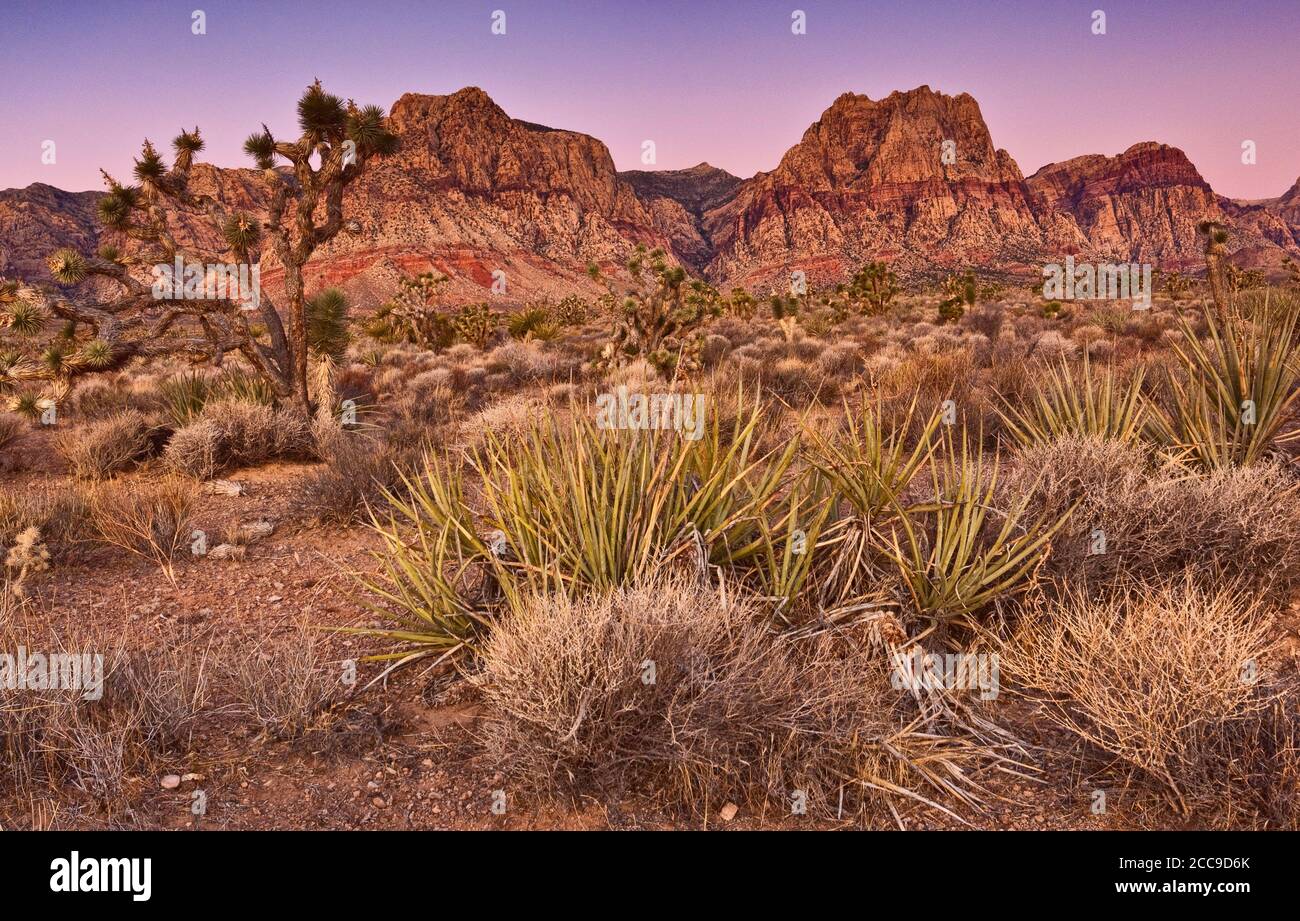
{"x":725,"y":82}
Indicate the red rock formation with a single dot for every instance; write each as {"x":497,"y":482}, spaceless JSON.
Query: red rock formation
{"x":473,"y":191}
{"x":870,"y":180}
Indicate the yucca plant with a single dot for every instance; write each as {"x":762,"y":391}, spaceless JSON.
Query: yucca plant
{"x":23,"y":317}
{"x":960,"y":553}
{"x":238,"y":383}
{"x":871,"y":465}
{"x":781,"y":558}
{"x":588,"y":508}
{"x":327,"y":324}
{"x":571,"y":507}
{"x":184,"y":396}
{"x":1097,"y":405}
{"x":532,"y":323}
{"x":1239,"y":388}
{"x":423,"y":585}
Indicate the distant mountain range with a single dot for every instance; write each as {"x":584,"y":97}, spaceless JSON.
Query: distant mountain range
{"x":473,"y":190}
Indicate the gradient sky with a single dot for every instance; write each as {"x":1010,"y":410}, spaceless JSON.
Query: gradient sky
{"x":725,"y":82}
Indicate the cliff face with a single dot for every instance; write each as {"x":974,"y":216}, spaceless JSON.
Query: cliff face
{"x":473,"y":191}
{"x":39,"y":219}
{"x":679,"y":201}
{"x":877,"y":179}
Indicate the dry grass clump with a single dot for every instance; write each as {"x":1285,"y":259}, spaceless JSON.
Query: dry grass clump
{"x":235,"y":433}
{"x":147,"y":707}
{"x":60,"y":515}
{"x":674,"y":688}
{"x":12,"y":429}
{"x":1160,"y":521}
{"x":284,"y":684}
{"x":107,"y":447}
{"x":1171,"y":682}
{"x":146,"y":518}
{"x":355,"y":472}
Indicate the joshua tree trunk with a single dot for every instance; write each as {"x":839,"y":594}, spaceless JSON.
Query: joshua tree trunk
{"x":1216,"y":268}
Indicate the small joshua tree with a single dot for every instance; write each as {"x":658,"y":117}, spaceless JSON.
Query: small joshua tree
{"x":785,"y":310}
{"x":1175,"y":285}
{"x":741,"y":304}
{"x":415,"y":314}
{"x":874,"y":286}
{"x":962,"y":291}
{"x":299,"y":209}
{"x":475,"y":324}
{"x":661,"y":315}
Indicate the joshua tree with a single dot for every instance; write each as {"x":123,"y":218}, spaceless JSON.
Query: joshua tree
{"x":415,"y":314}
{"x":875,"y":286}
{"x":661,"y":315}
{"x":962,"y":291}
{"x":1175,"y":284}
{"x":300,"y":209}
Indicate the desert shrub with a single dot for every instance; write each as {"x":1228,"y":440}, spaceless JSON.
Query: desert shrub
{"x":149,"y":518}
{"x":354,"y":473}
{"x":915,"y":387}
{"x":526,"y":363}
{"x":702,"y":705}
{"x":284,"y":683}
{"x":1170,"y":681}
{"x":12,"y":429}
{"x":150,"y":706}
{"x":233,"y":433}
{"x":60,"y":515}
{"x":1154,"y":523}
{"x":106,"y":447}
{"x":194,"y":450}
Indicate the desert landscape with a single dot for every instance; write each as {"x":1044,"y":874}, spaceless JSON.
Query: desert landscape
{"x":427,"y":471}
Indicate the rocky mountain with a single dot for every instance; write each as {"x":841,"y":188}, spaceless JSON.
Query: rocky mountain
{"x":1143,"y":205}
{"x":913,"y":179}
{"x":678,"y":201}
{"x":39,"y":219}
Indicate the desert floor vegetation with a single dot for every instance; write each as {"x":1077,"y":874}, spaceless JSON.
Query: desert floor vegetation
{"x":870,"y":566}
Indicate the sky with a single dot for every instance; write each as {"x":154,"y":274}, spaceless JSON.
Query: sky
{"x":725,"y":82}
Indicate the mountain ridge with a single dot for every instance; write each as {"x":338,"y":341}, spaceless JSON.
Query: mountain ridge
{"x":913,"y":178}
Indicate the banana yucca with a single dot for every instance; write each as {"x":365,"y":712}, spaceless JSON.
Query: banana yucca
{"x":1239,"y":389}
{"x":950,"y":565}
{"x":1096,"y":405}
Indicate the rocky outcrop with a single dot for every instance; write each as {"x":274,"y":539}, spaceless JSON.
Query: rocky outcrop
{"x":473,"y":192}
{"x":1143,"y":206}
{"x":679,"y":200}
{"x":913,"y":179}
{"x":40,"y":219}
